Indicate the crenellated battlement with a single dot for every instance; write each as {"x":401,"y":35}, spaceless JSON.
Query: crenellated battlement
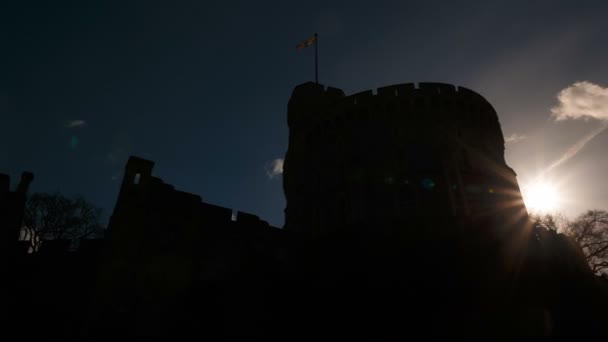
{"x":308,"y":91}
{"x":146,"y":199}
{"x":437,"y":141}
{"x":314,"y":107}
{"x":420,"y":111}
{"x":145,"y":206}
{"x":405,"y":90}
{"x":220,"y":216}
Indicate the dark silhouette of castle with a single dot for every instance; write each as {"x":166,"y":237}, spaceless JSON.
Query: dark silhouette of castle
{"x":434,"y":150}
{"x":402,"y":220}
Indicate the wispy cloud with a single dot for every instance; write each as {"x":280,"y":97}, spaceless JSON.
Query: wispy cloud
{"x":75,"y":124}
{"x":515,"y":137}
{"x":574,"y":149}
{"x":274,"y":168}
{"x":582,"y":100}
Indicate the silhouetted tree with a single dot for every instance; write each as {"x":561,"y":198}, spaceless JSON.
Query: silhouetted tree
{"x":556,"y":222}
{"x":589,"y":230}
{"x":56,"y":217}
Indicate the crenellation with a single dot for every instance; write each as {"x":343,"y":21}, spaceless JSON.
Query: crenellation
{"x":315,"y":111}
{"x":440,"y":116}
{"x":397,"y":90}
{"x":435,"y":88}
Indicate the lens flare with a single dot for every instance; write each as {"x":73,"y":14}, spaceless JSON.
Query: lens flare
{"x":540,"y":197}
{"x":74,"y":142}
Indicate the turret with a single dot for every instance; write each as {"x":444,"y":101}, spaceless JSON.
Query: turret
{"x":138,"y":172}
{"x":406,"y":150}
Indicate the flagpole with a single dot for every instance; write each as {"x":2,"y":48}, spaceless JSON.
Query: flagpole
{"x":316,"y":62}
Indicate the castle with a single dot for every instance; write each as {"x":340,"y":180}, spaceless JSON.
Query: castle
{"x":433,"y":151}
{"x":402,"y":219}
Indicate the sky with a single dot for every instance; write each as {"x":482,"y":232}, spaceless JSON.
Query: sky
{"x":201,"y":87}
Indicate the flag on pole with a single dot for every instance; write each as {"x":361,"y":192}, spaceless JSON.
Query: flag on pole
{"x":308,"y":42}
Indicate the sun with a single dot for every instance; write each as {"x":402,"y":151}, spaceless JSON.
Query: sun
{"x":540,"y":197}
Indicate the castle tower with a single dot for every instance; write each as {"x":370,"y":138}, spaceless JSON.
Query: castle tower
{"x":12,"y":205}
{"x":432,"y":151}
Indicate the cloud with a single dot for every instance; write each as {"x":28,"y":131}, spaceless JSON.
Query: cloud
{"x":514,"y":138}
{"x":75,"y":124}
{"x":582,"y":100}
{"x":574,"y":149}
{"x":274,"y":168}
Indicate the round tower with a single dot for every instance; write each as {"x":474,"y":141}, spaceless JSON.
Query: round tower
{"x":429,"y":150}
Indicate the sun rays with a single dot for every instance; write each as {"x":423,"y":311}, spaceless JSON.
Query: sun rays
{"x":541,"y":197}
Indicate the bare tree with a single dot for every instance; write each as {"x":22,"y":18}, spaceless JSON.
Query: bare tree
{"x":56,"y":217}
{"x":589,"y":230}
{"x":555,"y":222}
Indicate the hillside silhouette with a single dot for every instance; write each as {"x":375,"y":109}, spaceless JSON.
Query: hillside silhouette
{"x":403,"y":221}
